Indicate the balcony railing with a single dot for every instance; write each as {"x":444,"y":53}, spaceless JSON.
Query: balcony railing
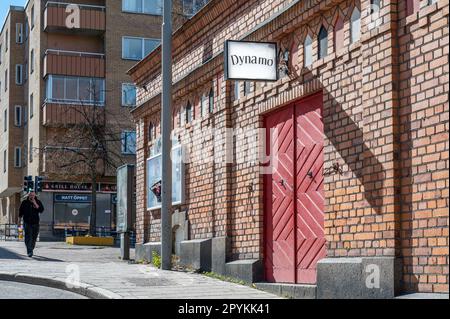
{"x":61,"y":113}
{"x":60,"y":62}
{"x":74,"y":17}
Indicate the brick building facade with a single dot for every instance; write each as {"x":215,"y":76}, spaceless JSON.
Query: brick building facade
{"x":377,"y":73}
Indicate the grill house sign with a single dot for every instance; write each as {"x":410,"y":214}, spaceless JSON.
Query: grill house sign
{"x":256,"y":61}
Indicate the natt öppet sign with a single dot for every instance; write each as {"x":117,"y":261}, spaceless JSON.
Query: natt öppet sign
{"x":245,"y":60}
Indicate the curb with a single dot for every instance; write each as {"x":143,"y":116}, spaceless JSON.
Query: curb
{"x":83,"y":289}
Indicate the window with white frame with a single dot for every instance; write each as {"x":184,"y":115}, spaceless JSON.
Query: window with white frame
{"x":19,"y":33}
{"x":18,"y":115}
{"x":137,"y":48}
{"x":355,"y":26}
{"x":129,"y":142}
{"x":143,"y":6}
{"x":154,"y":176}
{"x":71,"y":89}
{"x":17,"y":157}
{"x":19,"y":74}
{"x":6,"y":80}
{"x":5,"y":161}
{"x":6,"y":40}
{"x":128,"y":94}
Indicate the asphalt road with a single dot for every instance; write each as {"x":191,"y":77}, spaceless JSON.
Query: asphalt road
{"x":15,"y":290}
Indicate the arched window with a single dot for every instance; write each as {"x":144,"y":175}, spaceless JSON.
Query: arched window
{"x":211,"y":100}
{"x":355,"y":27}
{"x":339,"y":34}
{"x":322,"y":39}
{"x":308,"y":51}
{"x":189,"y":115}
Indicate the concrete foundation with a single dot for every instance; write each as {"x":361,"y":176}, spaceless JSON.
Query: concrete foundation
{"x":356,"y":278}
{"x":292,"y":291}
{"x":219,"y":254}
{"x":250,"y":270}
{"x":196,"y":254}
{"x":144,"y":252}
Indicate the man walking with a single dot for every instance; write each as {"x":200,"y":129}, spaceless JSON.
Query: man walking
{"x":30,"y":209}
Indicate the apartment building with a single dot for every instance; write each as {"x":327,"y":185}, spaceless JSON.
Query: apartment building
{"x":58,"y":58}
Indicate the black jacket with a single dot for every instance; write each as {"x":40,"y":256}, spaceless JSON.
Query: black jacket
{"x":29,"y":213}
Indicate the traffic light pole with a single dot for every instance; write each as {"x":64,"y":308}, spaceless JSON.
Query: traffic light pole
{"x":166,"y":128}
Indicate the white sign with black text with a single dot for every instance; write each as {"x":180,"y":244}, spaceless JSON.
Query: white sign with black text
{"x":255,"y":61}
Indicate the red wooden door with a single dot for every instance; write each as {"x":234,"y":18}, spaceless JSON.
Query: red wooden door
{"x":310,"y":238}
{"x":279,"y":201}
{"x":294,"y":199}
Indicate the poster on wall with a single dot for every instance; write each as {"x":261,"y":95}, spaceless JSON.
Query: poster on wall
{"x":254,"y":61}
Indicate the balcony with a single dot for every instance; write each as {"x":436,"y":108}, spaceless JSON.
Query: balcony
{"x":63,"y":17}
{"x":57,"y":114}
{"x":72,"y":63}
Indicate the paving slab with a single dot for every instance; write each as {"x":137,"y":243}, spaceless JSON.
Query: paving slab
{"x":98,"y":272}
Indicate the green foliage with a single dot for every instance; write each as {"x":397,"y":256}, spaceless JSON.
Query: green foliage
{"x":156,"y":259}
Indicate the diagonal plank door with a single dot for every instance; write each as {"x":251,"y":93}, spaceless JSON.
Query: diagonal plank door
{"x":279,"y":199}
{"x":309,"y":194}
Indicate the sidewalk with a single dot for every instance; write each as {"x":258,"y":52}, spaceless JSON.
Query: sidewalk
{"x":104,"y":275}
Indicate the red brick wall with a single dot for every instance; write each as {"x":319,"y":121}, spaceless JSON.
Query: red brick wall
{"x":424,"y":126}
{"x":374,"y":117}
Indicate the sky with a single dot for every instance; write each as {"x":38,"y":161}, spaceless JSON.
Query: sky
{"x":4,"y":7}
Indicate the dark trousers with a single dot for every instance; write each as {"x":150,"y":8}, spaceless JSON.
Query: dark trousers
{"x":31,"y":234}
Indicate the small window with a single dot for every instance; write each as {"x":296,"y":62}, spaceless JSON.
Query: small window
{"x":32,"y":17}
{"x":5,"y":120}
{"x":17,"y":157}
{"x":308,"y":51}
{"x":32,"y":61}
{"x":129,"y":142}
{"x":19,"y":74}
{"x":323,"y":42}
{"x":30,"y":150}
{"x":6,"y":40}
{"x":236,"y":90}
{"x":128,"y":95}
{"x":6,"y":80}
{"x":204,"y":105}
{"x":19,"y":33}
{"x":18,"y":115}
{"x":151,"y":132}
{"x":355,"y":28}
{"x":31,"y":104}
{"x":211,"y":101}
{"x":375,"y":6}
{"x":5,"y":161}
{"x":189,"y":115}
{"x":247,"y":88}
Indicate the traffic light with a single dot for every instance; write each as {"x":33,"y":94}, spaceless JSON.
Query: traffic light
{"x":28,"y":184}
{"x":38,"y":183}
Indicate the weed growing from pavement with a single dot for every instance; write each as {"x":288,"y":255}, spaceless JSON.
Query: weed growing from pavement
{"x":227,"y":279}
